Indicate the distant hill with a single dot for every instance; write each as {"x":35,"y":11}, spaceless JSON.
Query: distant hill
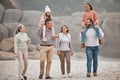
{"x":63,"y":7}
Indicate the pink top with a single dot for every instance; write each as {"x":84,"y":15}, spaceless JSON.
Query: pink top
{"x":91,"y":14}
{"x":42,"y":20}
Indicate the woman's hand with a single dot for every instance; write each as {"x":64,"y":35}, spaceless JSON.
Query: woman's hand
{"x":95,"y":23}
{"x":58,"y":52}
{"x":71,"y":53}
{"x":28,"y":41}
{"x":16,"y":55}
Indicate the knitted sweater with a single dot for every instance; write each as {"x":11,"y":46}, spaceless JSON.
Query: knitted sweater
{"x":91,"y":14}
{"x":21,"y":41}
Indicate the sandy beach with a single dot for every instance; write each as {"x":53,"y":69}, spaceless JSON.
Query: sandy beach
{"x":109,"y":69}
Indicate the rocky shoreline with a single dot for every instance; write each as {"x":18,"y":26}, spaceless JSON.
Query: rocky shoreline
{"x":10,"y":18}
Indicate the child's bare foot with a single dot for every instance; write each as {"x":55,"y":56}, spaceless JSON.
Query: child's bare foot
{"x":82,"y":30}
{"x":44,"y":39}
{"x":82,"y":45}
{"x":100,"y":41}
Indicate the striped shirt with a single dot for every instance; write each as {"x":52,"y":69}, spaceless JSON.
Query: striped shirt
{"x":48,"y":35}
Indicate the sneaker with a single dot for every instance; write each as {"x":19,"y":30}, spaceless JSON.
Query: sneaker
{"x":48,"y":77}
{"x":25,"y":77}
{"x":88,"y":74}
{"x":63,"y":75}
{"x":69,"y":75}
{"x":20,"y":78}
{"x":40,"y":76}
{"x":94,"y":74}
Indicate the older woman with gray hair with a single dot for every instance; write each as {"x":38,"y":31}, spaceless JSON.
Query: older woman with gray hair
{"x":21,"y":41}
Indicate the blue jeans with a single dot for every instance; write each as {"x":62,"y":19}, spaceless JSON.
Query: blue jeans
{"x":92,"y":54}
{"x":84,"y":33}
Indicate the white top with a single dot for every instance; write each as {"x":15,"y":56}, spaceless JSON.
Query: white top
{"x":64,"y":42}
{"x":91,"y":37}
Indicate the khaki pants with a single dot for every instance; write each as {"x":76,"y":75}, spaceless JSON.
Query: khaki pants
{"x":22,"y":63}
{"x":46,"y":53}
{"x":62,"y":56}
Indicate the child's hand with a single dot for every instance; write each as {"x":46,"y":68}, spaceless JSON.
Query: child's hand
{"x":41,"y":24}
{"x":71,"y":53}
{"x":97,"y":26}
{"x":95,"y":23}
{"x":83,"y":25}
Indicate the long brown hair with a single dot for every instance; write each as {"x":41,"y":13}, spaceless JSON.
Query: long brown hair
{"x":66,"y":27}
{"x":91,"y":8}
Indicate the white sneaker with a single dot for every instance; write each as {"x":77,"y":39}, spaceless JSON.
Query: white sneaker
{"x":69,"y":75}
{"x":63,"y":76}
{"x":21,"y":78}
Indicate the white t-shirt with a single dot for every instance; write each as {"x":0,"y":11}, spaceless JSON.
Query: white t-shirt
{"x":91,"y":37}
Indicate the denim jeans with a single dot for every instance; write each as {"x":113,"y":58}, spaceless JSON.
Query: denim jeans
{"x":84,"y":33}
{"x":92,"y":54}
